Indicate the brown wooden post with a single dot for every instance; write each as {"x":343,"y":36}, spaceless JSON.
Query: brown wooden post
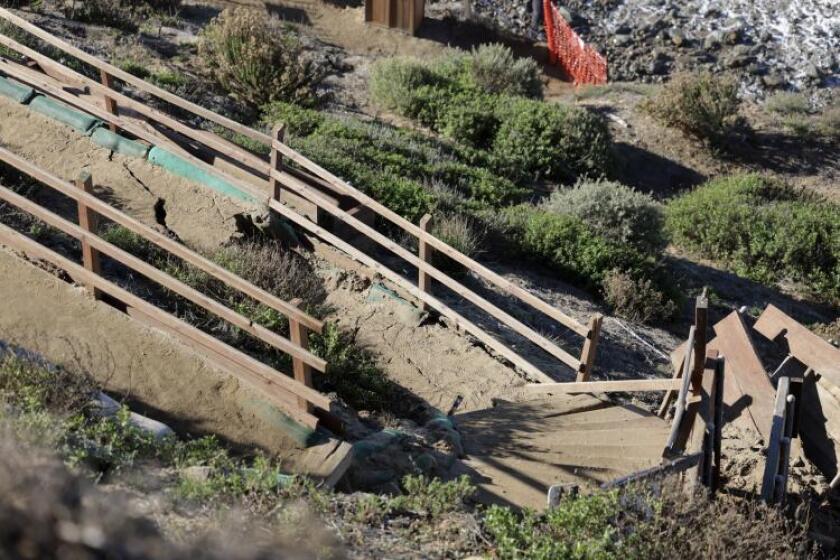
{"x":590,"y":346}
{"x":299,"y":334}
{"x":278,"y":134}
{"x":110,"y":103}
{"x":88,"y":220}
{"x":424,"y":281}
{"x":701,"y":318}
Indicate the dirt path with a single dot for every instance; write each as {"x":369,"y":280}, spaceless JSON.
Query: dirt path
{"x":197,"y":215}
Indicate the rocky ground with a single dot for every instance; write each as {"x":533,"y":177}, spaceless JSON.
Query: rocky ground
{"x":771,"y":44}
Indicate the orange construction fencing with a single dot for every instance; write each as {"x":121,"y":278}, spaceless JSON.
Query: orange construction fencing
{"x":582,"y":63}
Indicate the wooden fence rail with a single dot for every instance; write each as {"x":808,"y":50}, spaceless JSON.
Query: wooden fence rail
{"x":294,"y":395}
{"x":288,"y":169}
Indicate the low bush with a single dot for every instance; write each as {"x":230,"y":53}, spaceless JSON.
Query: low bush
{"x":702,"y":105}
{"x":551,"y":141}
{"x":828,"y":122}
{"x":470,"y":99}
{"x":637,"y":524}
{"x":617,"y":212}
{"x":493,"y":68}
{"x":392,"y":165}
{"x":257,"y":60}
{"x":761,"y":230}
{"x":636,"y":299}
{"x":567,"y":245}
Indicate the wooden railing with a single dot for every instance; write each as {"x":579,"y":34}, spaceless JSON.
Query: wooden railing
{"x":288,"y":170}
{"x":294,"y":395}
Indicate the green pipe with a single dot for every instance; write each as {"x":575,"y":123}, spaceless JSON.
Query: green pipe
{"x":17,"y":92}
{"x":119,"y":144}
{"x":64,"y":113}
{"x":188,"y":170}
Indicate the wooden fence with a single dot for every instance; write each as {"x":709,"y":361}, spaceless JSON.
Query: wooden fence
{"x":289,"y":176}
{"x":294,"y":395}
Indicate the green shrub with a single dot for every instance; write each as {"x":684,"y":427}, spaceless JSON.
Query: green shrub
{"x":123,"y":14}
{"x":617,"y":212}
{"x":395,"y":85}
{"x":702,"y":105}
{"x":493,"y":68}
{"x":787,"y":103}
{"x":567,"y":245}
{"x":761,"y":230}
{"x":470,"y":119}
{"x":552,"y":141}
{"x":298,"y":121}
{"x":257,"y":60}
{"x":517,"y":137}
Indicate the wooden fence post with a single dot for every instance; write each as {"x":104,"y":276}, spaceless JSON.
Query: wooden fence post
{"x":88,"y":221}
{"x":774,"y":482}
{"x":424,"y":281}
{"x":590,"y":346}
{"x":110,"y":103}
{"x":701,"y":316}
{"x":278,"y":133}
{"x":299,"y":334}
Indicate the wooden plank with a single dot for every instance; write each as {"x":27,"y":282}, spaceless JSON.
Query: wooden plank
{"x":279,"y":134}
{"x":745,"y":369}
{"x":514,"y":324}
{"x":162,"y":241}
{"x":411,"y":288}
{"x":806,"y":346}
{"x":88,"y":222}
{"x":590,"y":347}
{"x":134,"y":80}
{"x":621,"y":386}
{"x":671,"y":446}
{"x":165,"y":280}
{"x":301,"y":369}
{"x":774,"y":445}
{"x":481,"y":270}
{"x":110,"y":103}
{"x":267,"y":377}
{"x":424,"y":281}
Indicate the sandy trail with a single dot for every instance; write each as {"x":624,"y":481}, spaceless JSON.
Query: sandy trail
{"x":197,"y":215}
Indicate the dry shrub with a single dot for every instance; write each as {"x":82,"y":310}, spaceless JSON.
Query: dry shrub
{"x":828,"y":122}
{"x":700,"y":104}
{"x":788,"y":103}
{"x":255,"y":58}
{"x":274,"y":269}
{"x":460,"y":232}
{"x":495,"y":69}
{"x":636,"y":299}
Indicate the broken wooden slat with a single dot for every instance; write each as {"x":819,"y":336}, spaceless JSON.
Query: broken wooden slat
{"x":806,"y":346}
{"x":775,"y":444}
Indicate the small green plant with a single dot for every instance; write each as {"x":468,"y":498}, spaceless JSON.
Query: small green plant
{"x":396,"y":85}
{"x":433,"y":497}
{"x":828,"y":122}
{"x":617,"y":212}
{"x":169,"y":79}
{"x":133,"y":67}
{"x":702,"y":105}
{"x":257,"y":60}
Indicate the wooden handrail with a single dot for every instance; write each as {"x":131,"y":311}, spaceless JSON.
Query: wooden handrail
{"x":324,"y":203}
{"x":682,"y":397}
{"x":140,"y":84}
{"x":471,"y":264}
{"x":163,"y":279}
{"x":411,"y":288}
{"x":289,"y":176}
{"x":162,"y":241}
{"x":277,"y":386}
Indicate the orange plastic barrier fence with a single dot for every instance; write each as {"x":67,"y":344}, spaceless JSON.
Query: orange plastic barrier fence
{"x":582,"y":63}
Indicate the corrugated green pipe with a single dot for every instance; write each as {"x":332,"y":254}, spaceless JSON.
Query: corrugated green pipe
{"x":119,"y":144}
{"x":63,"y":113}
{"x":16,"y":91}
{"x":183,"y":168}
